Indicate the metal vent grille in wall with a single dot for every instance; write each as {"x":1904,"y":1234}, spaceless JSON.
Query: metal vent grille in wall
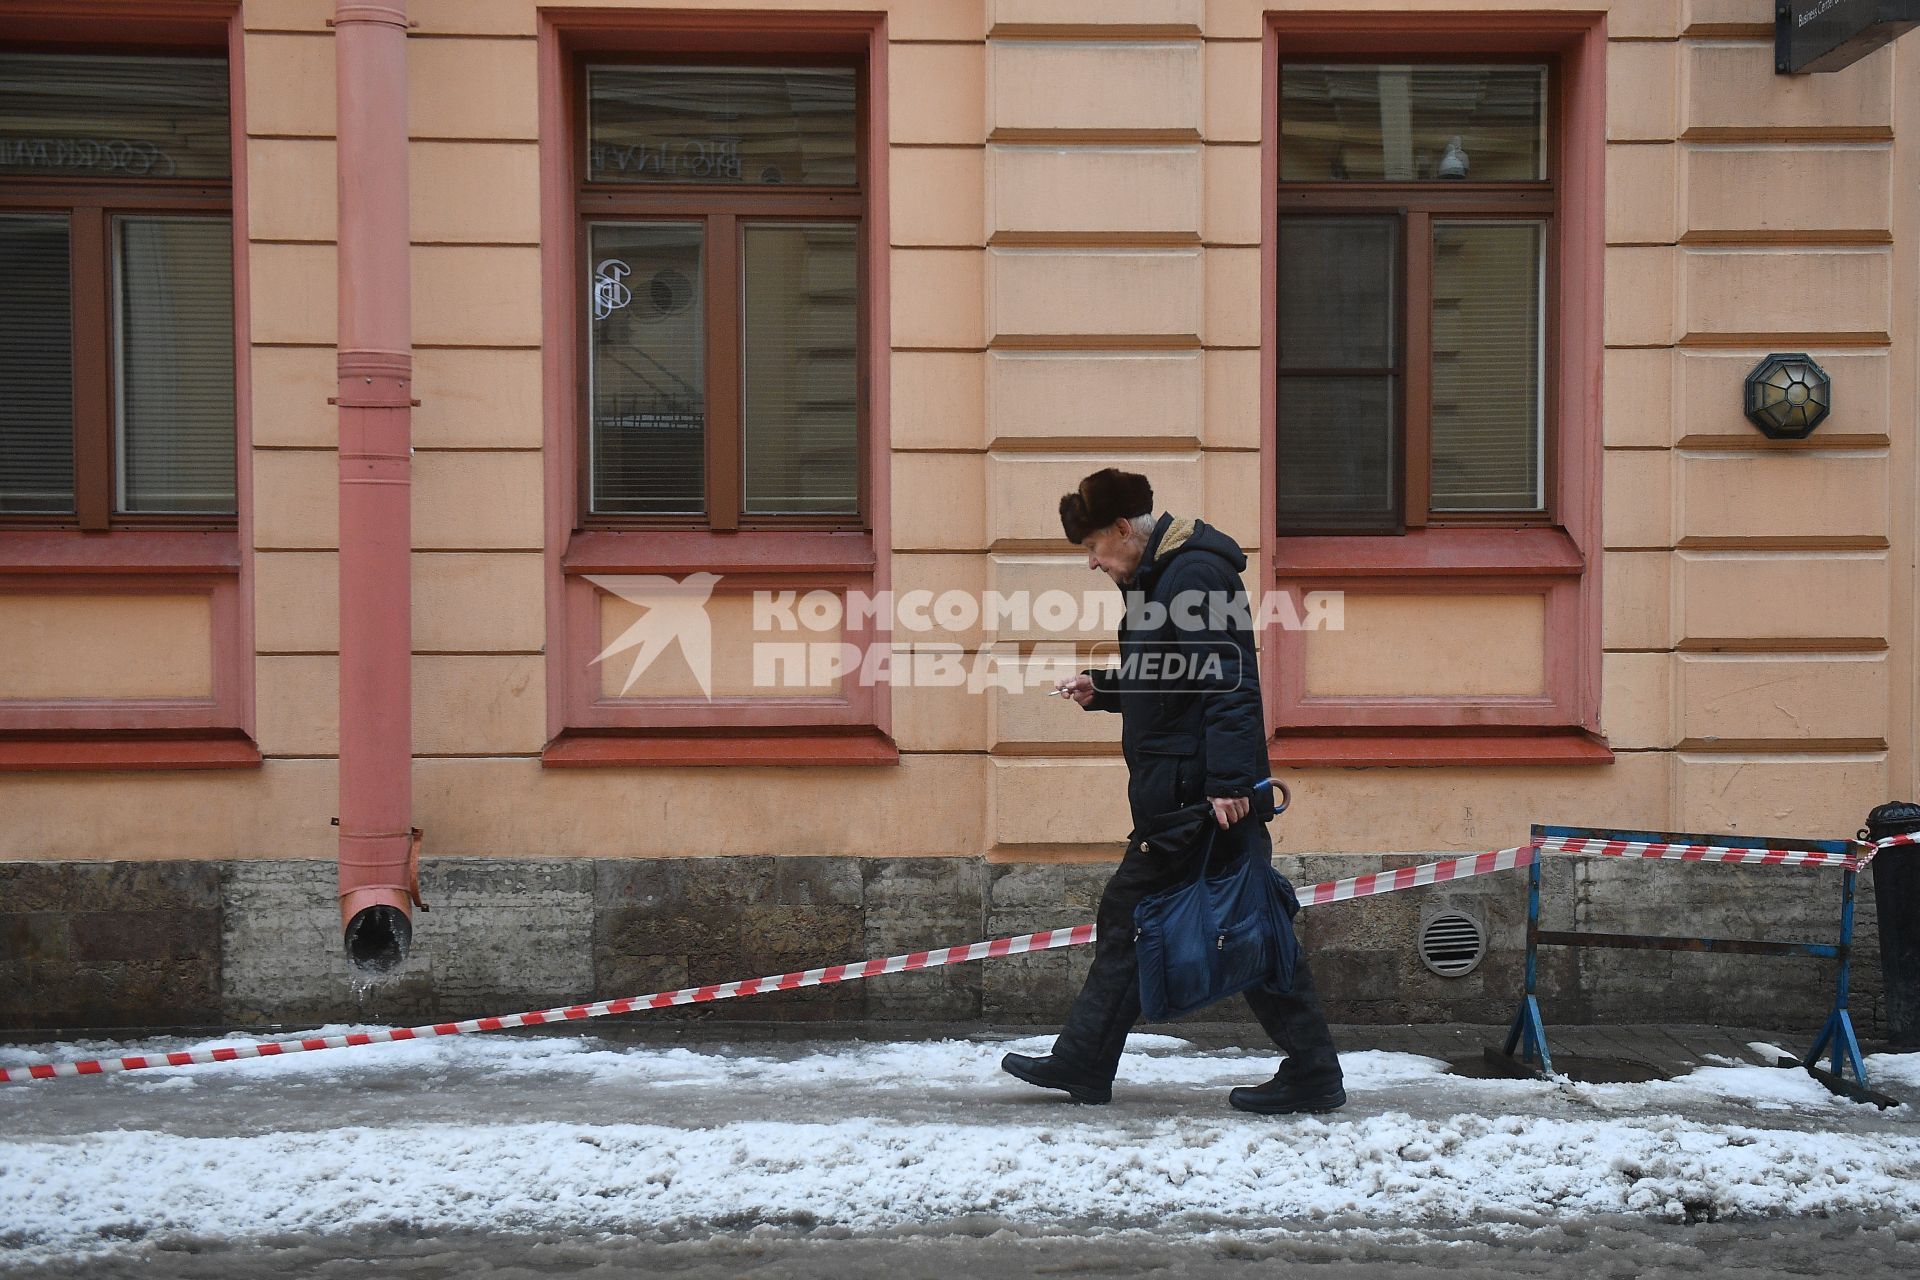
{"x":1452,"y":944}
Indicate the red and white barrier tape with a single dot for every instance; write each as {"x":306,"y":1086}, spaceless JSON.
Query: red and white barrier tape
{"x":1366,"y":886}
{"x":1890,"y":842}
{"x":1044,"y":940}
{"x":1672,"y":852}
{"x":1362,"y":886}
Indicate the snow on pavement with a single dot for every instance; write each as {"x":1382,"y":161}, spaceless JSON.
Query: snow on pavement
{"x":883,"y":1065}
{"x":668,"y":1142}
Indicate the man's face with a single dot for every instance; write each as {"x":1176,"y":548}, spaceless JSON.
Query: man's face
{"x":1114,"y":551}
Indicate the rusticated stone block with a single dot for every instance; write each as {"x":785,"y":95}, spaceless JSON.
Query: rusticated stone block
{"x":38,"y":886}
{"x":103,"y":944}
{"x":639,"y":976}
{"x":665,"y":931}
{"x":33,"y":937}
{"x":144,"y":935}
{"x":937,"y":883}
{"x":512,"y":933}
{"x":688,"y":881}
{"x":109,"y":886}
{"x":815,"y":935}
{"x":818,"y":882}
{"x":917,"y":904}
{"x":1065,"y":888}
{"x":1036,"y":987}
{"x":948,"y":994}
{"x":636,"y":882}
{"x":148,"y":993}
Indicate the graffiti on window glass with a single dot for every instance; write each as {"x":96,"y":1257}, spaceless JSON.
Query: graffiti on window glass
{"x":609,"y":294}
{"x":106,"y":155}
{"x":717,"y":158}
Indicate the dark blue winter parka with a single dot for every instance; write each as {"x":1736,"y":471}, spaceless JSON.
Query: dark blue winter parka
{"x":1187,"y":685}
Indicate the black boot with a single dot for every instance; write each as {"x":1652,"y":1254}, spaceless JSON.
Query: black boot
{"x":1309,"y":1078}
{"x":1285,"y":1095}
{"x":1050,"y":1073}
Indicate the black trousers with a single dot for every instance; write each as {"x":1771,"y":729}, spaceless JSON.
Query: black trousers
{"x":1108,"y":1005}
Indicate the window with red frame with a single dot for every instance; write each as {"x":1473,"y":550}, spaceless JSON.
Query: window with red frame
{"x":116,"y":319}
{"x":721,"y":207}
{"x":1416,"y":224}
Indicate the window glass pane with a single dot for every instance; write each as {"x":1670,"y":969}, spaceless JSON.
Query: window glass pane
{"x":1337,"y":284}
{"x":174,"y":314}
{"x":648,"y":368}
{"x":801,"y":398}
{"x":1336,"y":450}
{"x":36,"y":366}
{"x":1487,"y":360}
{"x":1412,"y":123}
{"x":100,"y":116}
{"x":721,"y":124}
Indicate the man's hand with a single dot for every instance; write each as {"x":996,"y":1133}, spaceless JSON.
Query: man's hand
{"x":1228,"y":810}
{"x":1079,"y":688}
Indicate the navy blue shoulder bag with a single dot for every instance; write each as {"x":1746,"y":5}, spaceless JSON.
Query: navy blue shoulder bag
{"x":1214,"y":936}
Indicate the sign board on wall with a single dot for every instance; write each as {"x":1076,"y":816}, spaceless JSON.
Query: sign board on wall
{"x":1826,"y":35}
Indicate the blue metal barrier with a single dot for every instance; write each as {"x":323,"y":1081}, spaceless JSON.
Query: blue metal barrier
{"x":1528,"y":1033}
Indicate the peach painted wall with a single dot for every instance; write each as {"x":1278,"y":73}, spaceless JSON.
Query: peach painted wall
{"x":1075,"y":220}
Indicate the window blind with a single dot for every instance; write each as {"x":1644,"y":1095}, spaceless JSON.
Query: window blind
{"x":1339,"y":357}
{"x":645,"y":312}
{"x":1487,"y":361}
{"x":36,"y":366}
{"x":174,"y":390}
{"x":800,"y":410}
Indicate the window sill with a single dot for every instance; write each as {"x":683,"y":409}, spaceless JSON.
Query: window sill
{"x":119,"y":551}
{"x":798,"y":551}
{"x":590,"y":749}
{"x":1328,"y":750}
{"x":1461,"y":551}
{"x":52,"y":752}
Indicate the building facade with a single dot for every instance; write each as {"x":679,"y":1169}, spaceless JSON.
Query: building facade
{"x":1446,"y":312}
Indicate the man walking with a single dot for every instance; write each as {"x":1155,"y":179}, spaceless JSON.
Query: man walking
{"x":1191,"y":725}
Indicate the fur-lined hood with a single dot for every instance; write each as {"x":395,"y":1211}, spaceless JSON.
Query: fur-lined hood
{"x":1178,"y":535}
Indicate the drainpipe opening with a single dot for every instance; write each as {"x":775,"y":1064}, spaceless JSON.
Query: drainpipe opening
{"x":378,"y":938}
{"x":379,"y":889}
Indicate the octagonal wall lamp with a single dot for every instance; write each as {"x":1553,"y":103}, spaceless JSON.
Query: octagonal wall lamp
{"x":1788,"y":395}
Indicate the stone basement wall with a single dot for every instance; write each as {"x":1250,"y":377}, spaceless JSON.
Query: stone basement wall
{"x":176,"y":944}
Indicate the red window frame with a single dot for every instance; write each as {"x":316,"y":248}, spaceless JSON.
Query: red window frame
{"x":147,"y":553}
{"x":1416,"y":206}
{"x":585,"y":728}
{"x":90,"y":206}
{"x":724,"y":212}
{"x":1557,"y":558}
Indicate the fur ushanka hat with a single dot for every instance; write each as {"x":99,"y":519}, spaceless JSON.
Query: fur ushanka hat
{"x":1103,"y":497}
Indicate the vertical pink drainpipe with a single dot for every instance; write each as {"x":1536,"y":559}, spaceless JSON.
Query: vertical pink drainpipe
{"x":377,"y":839}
